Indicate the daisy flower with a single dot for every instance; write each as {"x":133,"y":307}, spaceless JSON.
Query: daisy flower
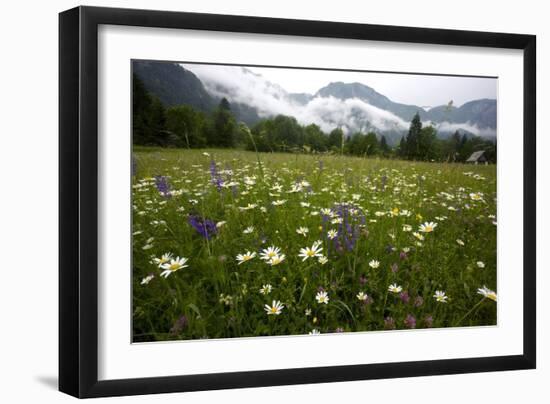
{"x":480,"y":264}
{"x":476,"y":196}
{"x":275,"y":309}
{"x":459,"y":242}
{"x":322,"y":260}
{"x":407,"y":227}
{"x":394,"y":288}
{"x":427,"y":227}
{"x":279,"y":202}
{"x":266,"y":289}
{"x":307,"y":312}
{"x":488,"y":293}
{"x":302,"y":231}
{"x":374,"y":264}
{"x":362,"y":296}
{"x":174,"y":265}
{"x":248,"y":230}
{"x":147,"y":279}
{"x":276,"y":260}
{"x":314,"y":251}
{"x":315,"y":331}
{"x":245,"y":257}
{"x":163,"y":259}
{"x":322,"y":297}
{"x":440,"y":296}
{"x":332,"y":234}
{"x":267,"y":253}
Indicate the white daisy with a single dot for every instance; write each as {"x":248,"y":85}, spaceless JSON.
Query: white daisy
{"x":302,"y":231}
{"x":266,"y":289}
{"x":314,"y":251}
{"x":245,"y":257}
{"x":163,"y":259}
{"x":332,"y":234}
{"x":427,"y":227}
{"x":394,"y":288}
{"x":488,"y":293}
{"x":275,"y":309}
{"x":362,"y":296}
{"x":267,"y":253}
{"x":322,"y":297}
{"x":174,"y":265}
{"x":374,"y":264}
{"x":276,"y":260}
{"x":440,"y":296}
{"x":147,"y":279}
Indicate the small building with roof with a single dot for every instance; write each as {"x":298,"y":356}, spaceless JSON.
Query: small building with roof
{"x":477,"y":157}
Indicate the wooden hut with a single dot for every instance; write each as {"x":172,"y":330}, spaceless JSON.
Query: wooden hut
{"x":477,"y":157}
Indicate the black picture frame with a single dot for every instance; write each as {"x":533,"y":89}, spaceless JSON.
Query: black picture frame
{"x":78,"y":200}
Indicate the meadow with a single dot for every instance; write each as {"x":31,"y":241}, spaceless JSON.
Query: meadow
{"x":230,"y":243}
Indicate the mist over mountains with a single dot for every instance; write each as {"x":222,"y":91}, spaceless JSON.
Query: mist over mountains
{"x":350,"y":106}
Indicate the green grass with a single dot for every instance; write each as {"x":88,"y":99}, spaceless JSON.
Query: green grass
{"x":378,"y":194}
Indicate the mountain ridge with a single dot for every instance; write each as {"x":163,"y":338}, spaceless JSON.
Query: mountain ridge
{"x":365,"y":108}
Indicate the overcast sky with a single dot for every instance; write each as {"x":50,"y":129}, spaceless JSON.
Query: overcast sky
{"x":266,"y":90}
{"x":419,"y":90}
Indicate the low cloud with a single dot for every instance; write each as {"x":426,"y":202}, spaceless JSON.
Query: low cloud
{"x":243,"y":86}
{"x":467,"y":126}
{"x":240,"y":85}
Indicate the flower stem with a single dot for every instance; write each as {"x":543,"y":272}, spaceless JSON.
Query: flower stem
{"x":470,"y":312}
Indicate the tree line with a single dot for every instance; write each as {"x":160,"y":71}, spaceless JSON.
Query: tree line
{"x":184,"y":126}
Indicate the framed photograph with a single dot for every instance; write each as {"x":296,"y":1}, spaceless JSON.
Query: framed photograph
{"x":251,"y":201}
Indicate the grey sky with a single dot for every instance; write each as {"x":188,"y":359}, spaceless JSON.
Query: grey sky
{"x":404,"y":88}
{"x":266,"y":90}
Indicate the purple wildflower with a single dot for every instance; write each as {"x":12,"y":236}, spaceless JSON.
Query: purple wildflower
{"x":205,"y":227}
{"x":410,"y":321}
{"x":339,"y":329}
{"x":350,"y":228}
{"x":389,"y":323}
{"x":418,"y":301}
{"x":161,"y":182}
{"x":404,"y":296}
{"x":403,"y":255}
{"x":429,"y":321}
{"x":394,"y":268}
{"x":215,"y":176}
{"x":362,"y":280}
{"x":179,"y":325}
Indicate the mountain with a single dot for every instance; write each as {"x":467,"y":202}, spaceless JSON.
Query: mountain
{"x":365,"y":93}
{"x":481,"y":113}
{"x":351,"y":106}
{"x":173,"y":85}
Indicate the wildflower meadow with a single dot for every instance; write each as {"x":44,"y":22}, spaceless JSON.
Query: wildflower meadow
{"x":232,"y":243}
